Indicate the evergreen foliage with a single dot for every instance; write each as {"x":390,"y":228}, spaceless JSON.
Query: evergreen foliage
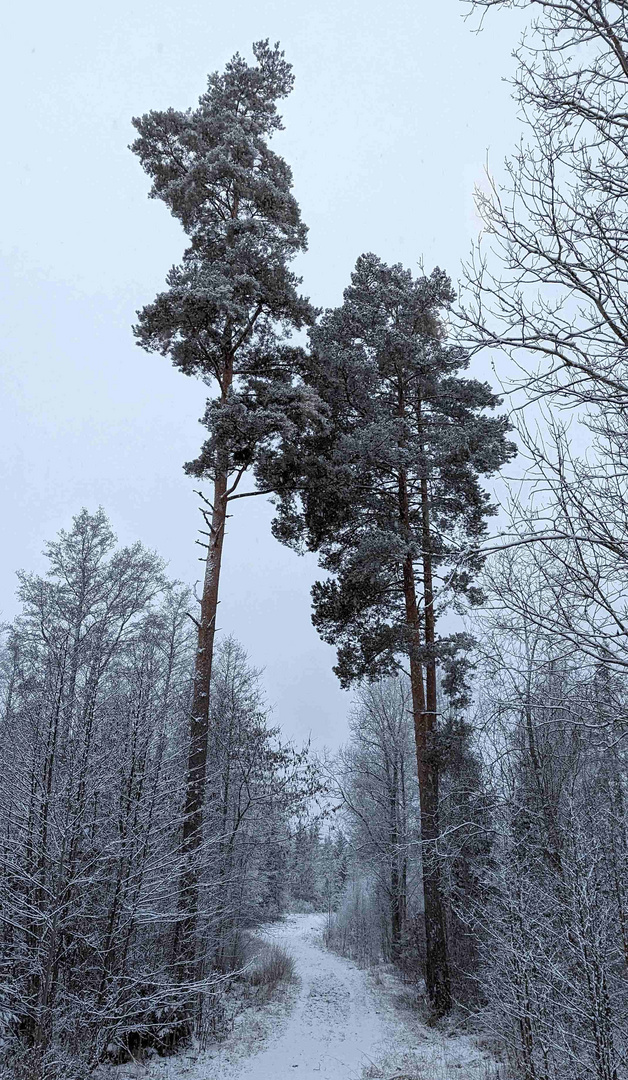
{"x":398,"y":413}
{"x":233,"y":296}
{"x":224,"y":318}
{"x":387,"y":491}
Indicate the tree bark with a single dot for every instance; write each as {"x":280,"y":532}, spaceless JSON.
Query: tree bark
{"x":199,"y":734}
{"x":437,"y":981}
{"x":185,"y":943}
{"x":439,"y":987}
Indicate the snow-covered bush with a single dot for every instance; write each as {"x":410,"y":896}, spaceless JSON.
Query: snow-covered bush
{"x":273,"y":965}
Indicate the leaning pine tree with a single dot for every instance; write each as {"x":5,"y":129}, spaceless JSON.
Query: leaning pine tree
{"x":223,"y":318}
{"x":388,"y":493}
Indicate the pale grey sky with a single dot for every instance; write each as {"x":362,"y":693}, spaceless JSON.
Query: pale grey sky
{"x":394,"y":109}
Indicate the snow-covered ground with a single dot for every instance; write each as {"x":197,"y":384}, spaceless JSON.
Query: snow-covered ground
{"x":340,"y":1024}
{"x":336,"y":1027}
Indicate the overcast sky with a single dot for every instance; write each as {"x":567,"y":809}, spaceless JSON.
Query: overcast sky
{"x":395,"y":107}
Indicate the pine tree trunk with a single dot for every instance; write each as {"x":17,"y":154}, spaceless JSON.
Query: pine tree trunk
{"x":199,"y":734}
{"x":186,"y":937}
{"x":437,"y":980}
{"x":439,"y":988}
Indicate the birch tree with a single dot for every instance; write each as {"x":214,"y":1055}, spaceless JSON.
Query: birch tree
{"x":95,"y":685}
{"x":547,"y":285}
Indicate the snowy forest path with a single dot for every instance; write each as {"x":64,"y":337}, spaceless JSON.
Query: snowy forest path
{"x":339,"y":1023}
{"x":346,"y":1023}
{"x":336,"y":1026}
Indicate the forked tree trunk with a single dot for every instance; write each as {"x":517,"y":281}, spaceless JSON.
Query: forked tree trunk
{"x":424,"y":712}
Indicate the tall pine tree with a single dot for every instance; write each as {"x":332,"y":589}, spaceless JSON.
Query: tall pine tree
{"x":224,"y":318}
{"x":388,"y":493}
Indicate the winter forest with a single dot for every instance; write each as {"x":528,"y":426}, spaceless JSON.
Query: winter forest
{"x":187,"y":890}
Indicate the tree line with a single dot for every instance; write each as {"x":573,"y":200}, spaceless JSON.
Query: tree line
{"x":97,"y":684}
